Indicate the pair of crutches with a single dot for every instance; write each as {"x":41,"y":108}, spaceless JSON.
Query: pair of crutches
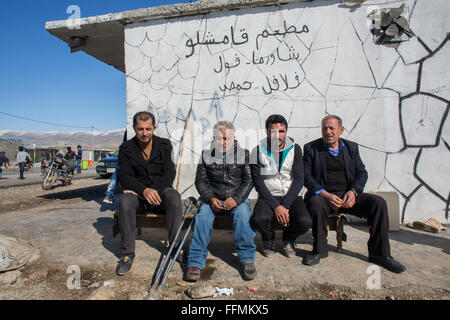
{"x":189,"y":203}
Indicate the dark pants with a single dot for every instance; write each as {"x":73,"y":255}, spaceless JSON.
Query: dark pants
{"x":21,"y":169}
{"x":299,"y":220}
{"x":369,"y":206}
{"x":130,"y":205}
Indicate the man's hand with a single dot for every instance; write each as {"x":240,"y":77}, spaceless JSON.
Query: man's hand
{"x":334,"y":201}
{"x":216,"y":205}
{"x":152,"y":196}
{"x":349,"y":200}
{"x":282,"y":215}
{"x":229,"y":204}
{"x":131,"y":192}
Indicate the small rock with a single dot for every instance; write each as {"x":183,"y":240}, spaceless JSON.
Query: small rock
{"x":110,"y":283}
{"x":35,"y":257}
{"x":201,"y":290}
{"x":153,"y":294}
{"x":95,"y":285}
{"x":9,"y":277}
{"x":102,"y":293}
{"x":38,"y":275}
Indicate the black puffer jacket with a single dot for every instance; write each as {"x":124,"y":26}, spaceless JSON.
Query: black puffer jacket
{"x":136,"y":174}
{"x":222,"y":178}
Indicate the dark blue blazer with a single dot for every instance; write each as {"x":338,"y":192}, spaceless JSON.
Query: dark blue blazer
{"x":315,"y":166}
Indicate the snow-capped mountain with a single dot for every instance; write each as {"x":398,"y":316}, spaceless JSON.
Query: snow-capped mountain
{"x":97,"y":139}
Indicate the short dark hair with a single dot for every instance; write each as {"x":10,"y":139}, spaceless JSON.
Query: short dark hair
{"x":78,"y":146}
{"x":275,"y":118}
{"x":69,"y":148}
{"x":20,"y":148}
{"x":143,"y":116}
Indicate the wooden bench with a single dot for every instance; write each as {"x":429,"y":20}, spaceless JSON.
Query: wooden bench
{"x":223,"y":222}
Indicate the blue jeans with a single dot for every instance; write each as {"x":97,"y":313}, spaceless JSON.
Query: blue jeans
{"x":112,"y":184}
{"x":78,"y":166}
{"x":21,"y":169}
{"x":242,"y":231}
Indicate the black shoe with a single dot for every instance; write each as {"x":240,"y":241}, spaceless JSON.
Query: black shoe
{"x":268,"y":248}
{"x":124,"y":265}
{"x":314,"y":258}
{"x":388,"y":263}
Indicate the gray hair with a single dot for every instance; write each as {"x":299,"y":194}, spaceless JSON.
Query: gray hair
{"x":223,"y":125}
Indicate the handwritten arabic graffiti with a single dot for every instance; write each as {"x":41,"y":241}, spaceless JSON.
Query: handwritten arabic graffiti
{"x":209,"y":40}
{"x":284,"y":53}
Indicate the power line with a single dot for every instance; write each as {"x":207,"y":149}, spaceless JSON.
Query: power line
{"x":50,"y":123}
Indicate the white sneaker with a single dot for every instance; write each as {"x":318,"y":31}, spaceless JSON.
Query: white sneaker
{"x":108,"y":200}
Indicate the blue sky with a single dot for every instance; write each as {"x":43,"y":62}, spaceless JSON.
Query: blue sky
{"x":41,"y":80}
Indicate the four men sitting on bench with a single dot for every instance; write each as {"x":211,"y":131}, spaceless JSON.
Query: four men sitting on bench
{"x":331,"y":169}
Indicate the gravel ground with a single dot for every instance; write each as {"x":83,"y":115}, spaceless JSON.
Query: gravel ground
{"x":46,"y":278}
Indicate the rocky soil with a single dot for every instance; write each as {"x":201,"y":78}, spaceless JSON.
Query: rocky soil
{"x":42,"y":279}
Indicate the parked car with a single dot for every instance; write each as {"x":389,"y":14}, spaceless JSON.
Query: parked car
{"x":107,"y":166}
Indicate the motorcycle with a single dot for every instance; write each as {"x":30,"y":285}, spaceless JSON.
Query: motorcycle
{"x":59,"y":169}
{"x":44,"y":167}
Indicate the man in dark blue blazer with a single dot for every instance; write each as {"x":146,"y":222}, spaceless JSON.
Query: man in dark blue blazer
{"x":335,"y":177}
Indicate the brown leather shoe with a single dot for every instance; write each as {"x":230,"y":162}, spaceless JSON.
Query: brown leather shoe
{"x":249,"y":271}
{"x":193,"y":274}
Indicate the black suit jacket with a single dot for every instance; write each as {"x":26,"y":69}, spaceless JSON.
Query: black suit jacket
{"x":315,"y":166}
{"x":136,"y":174}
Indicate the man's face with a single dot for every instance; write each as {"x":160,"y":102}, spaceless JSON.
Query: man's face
{"x":277,"y":133}
{"x":144,"y":130}
{"x":331,"y":131}
{"x":223,"y":139}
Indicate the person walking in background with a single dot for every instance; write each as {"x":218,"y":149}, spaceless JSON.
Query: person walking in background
{"x":79,"y":158}
{"x":21,"y":160}
{"x":3,"y":161}
{"x":70,"y":155}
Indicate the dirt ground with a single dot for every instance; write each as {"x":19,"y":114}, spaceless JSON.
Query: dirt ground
{"x":45,"y":277}
{"x":31,"y":196}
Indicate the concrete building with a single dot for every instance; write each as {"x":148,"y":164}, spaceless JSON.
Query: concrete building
{"x":194,"y":64}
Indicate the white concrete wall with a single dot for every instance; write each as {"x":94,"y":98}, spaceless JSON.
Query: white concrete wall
{"x":394,"y":102}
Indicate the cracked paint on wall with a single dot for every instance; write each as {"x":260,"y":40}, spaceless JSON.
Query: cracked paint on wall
{"x":304,"y":60}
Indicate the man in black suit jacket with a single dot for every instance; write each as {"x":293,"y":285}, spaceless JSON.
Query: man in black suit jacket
{"x":146,"y":174}
{"x":335,"y":177}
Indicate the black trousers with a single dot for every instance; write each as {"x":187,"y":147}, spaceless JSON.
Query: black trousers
{"x":366,"y":205}
{"x":130,"y":205}
{"x":299,"y":218}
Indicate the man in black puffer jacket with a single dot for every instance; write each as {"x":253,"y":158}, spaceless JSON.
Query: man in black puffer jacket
{"x":146,"y":174}
{"x":224,"y":182}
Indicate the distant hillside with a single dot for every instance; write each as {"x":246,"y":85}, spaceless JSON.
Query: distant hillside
{"x":98,"y":139}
